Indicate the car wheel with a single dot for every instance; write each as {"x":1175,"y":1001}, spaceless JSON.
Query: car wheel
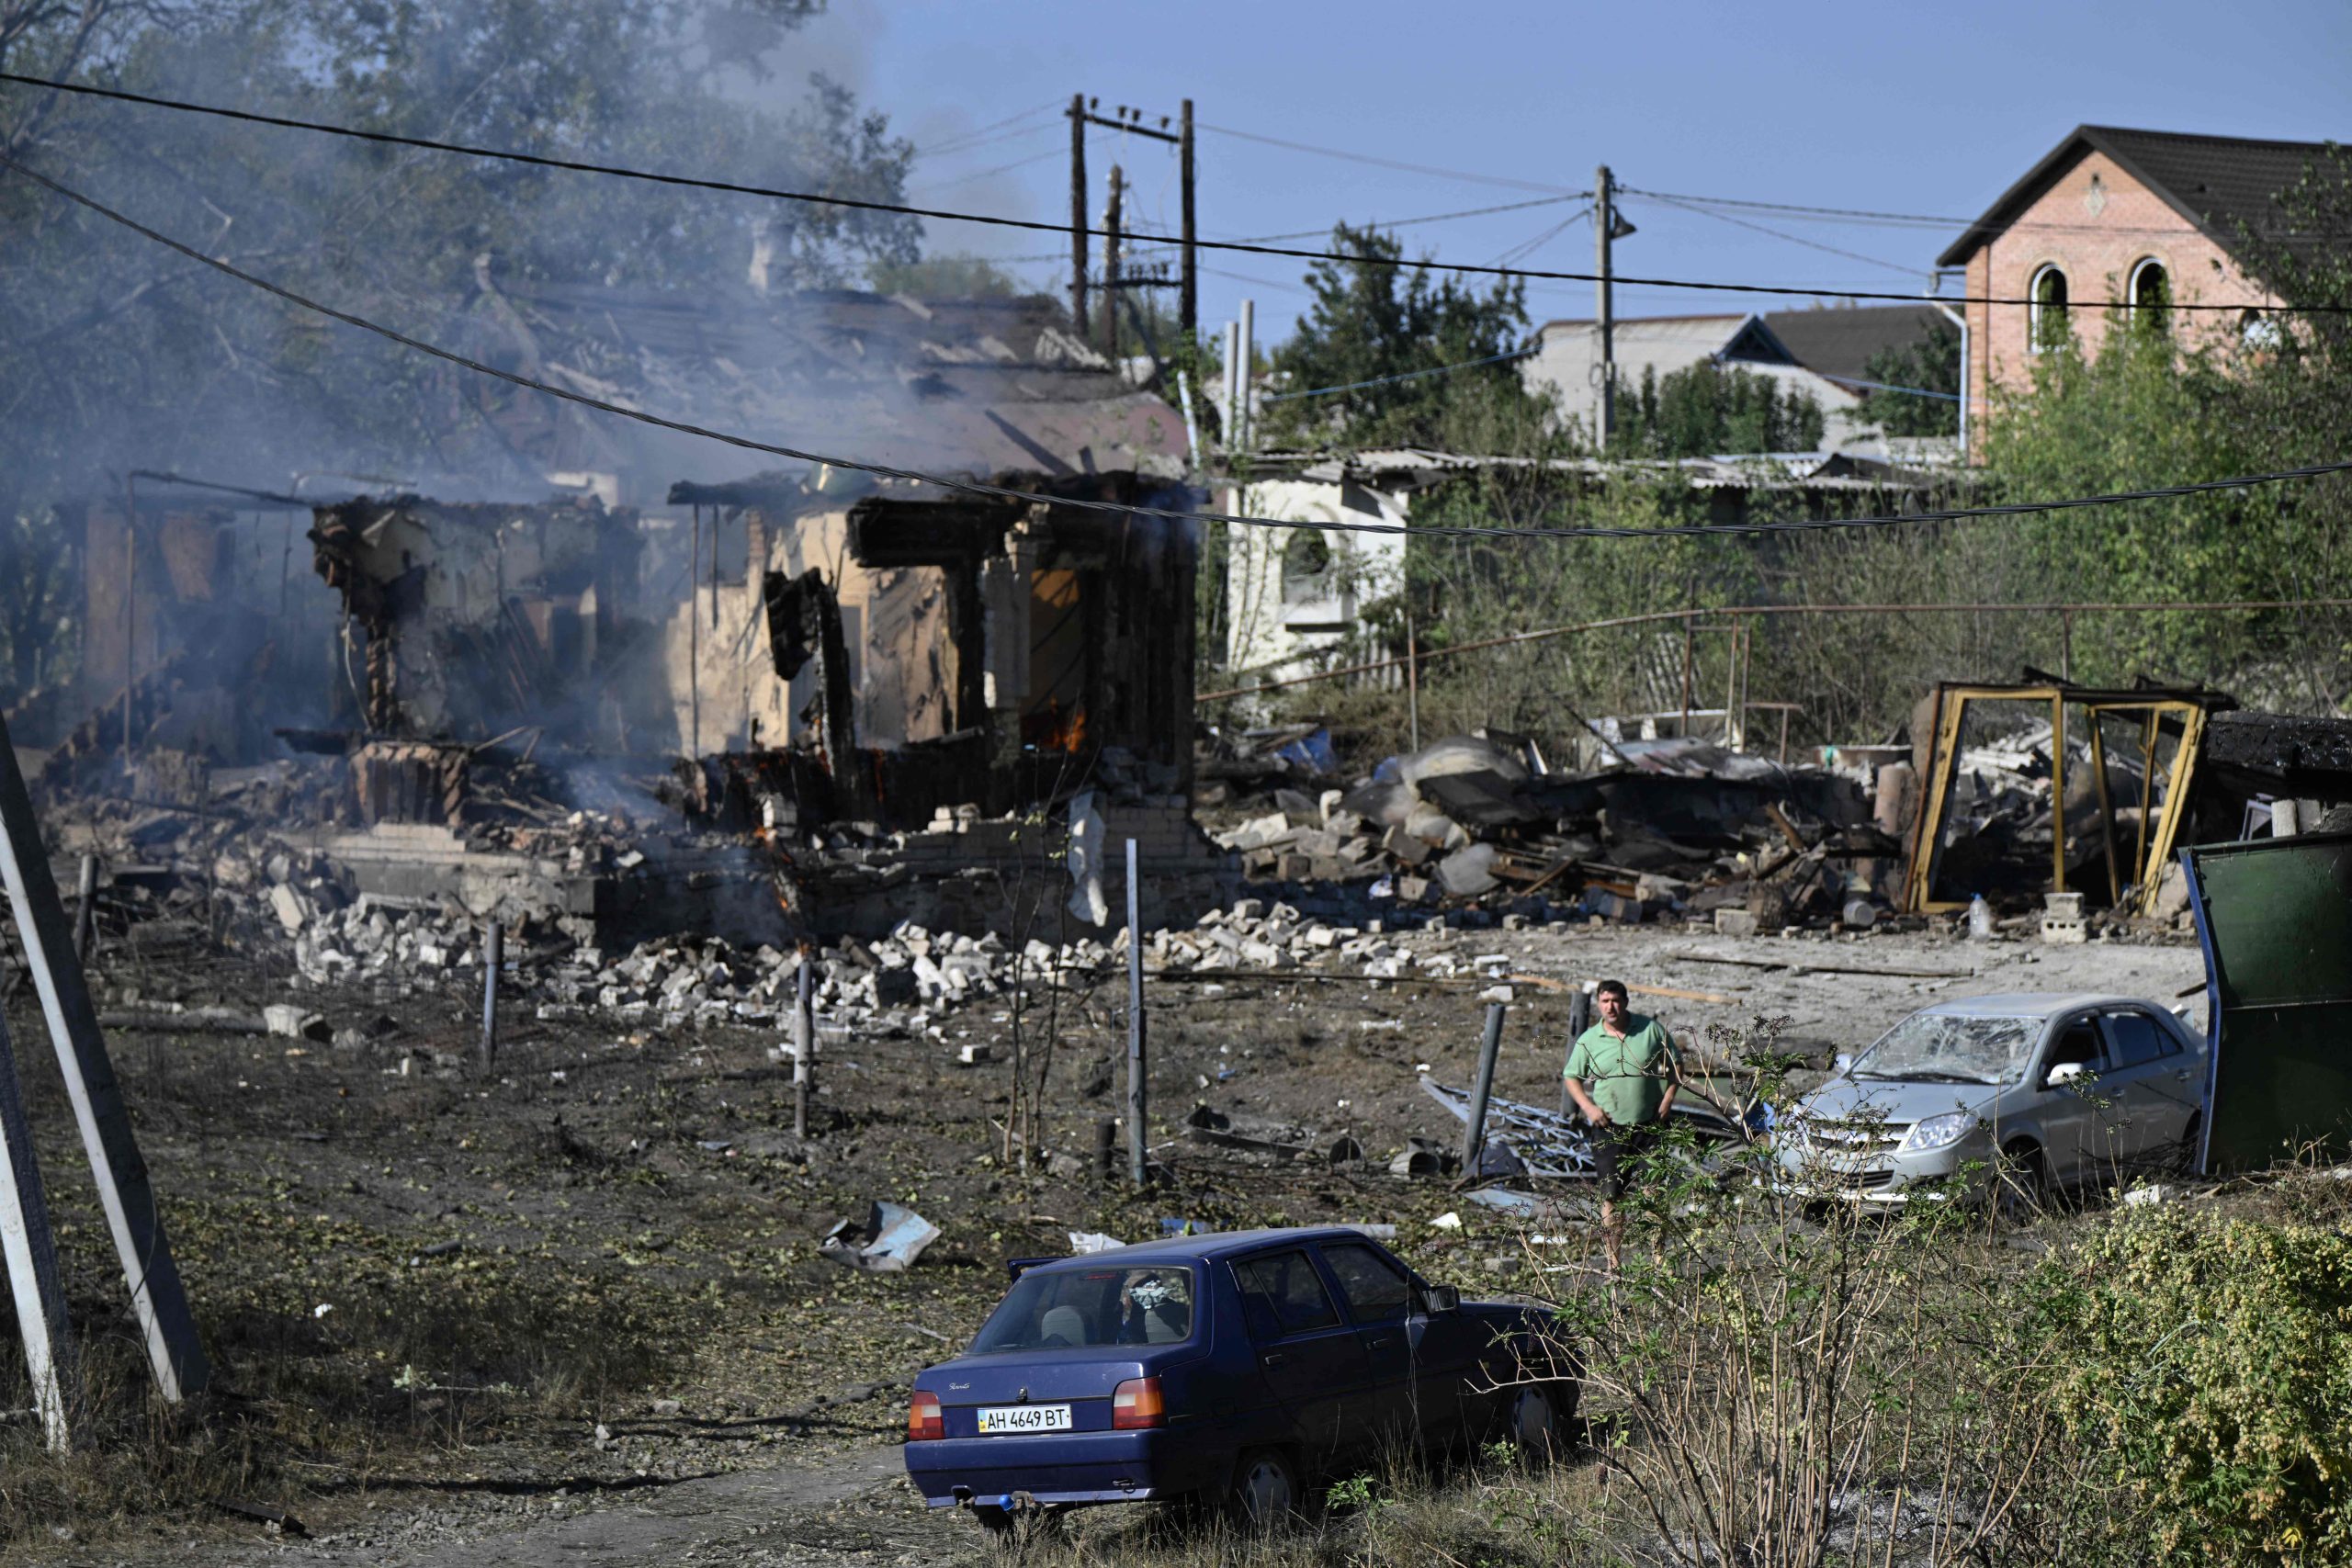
{"x":2023,"y":1194}
{"x":1533,"y":1424}
{"x":1264,"y":1492}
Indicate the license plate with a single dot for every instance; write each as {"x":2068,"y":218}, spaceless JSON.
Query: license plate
{"x":1000,"y":1418}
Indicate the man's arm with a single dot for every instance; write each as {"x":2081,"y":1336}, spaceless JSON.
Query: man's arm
{"x":1592,"y":1113}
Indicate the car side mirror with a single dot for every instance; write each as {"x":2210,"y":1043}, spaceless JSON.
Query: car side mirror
{"x":1442,"y":1298}
{"x":2063,"y":1074}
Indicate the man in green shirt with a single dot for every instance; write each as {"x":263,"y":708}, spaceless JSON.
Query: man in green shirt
{"x":1622,"y":1074}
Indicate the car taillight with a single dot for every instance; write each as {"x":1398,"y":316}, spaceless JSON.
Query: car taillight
{"x":1135,"y":1404}
{"x":925,"y":1421}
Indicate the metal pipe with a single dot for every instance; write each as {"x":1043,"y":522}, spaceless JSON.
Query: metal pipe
{"x":1138,"y":1157}
{"x":493,"y":958}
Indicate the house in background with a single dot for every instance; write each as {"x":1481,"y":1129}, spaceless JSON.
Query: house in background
{"x":2141,"y":219}
{"x":1826,"y":352}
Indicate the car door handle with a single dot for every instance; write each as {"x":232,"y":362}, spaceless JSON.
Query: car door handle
{"x":1275,"y":1359}
{"x":1381,"y":1343}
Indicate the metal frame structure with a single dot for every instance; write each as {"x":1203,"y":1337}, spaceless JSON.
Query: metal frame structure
{"x":2155,"y":708}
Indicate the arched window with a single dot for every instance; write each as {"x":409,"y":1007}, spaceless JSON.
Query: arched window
{"x":1306,"y":569}
{"x":2046,"y":325}
{"x":2150,"y":291}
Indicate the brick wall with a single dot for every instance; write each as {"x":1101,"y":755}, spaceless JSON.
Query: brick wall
{"x":2096,"y":243}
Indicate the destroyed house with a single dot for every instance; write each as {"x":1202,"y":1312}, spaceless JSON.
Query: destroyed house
{"x":891,"y":649}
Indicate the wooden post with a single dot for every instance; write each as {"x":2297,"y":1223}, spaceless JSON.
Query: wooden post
{"x":31,"y":1250}
{"x":1106,"y":1148}
{"x":86,"y":911}
{"x":1138,"y":1157}
{"x":1580,"y":1020}
{"x":123,"y":1189}
{"x":1077,"y":215}
{"x":1188,"y":291}
{"x":1474,"y":1133}
{"x":493,"y":958}
{"x":804,"y":1042}
{"x":694,"y":642}
{"x":1688,"y":654}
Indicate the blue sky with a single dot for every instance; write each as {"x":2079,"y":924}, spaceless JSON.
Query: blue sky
{"x":1888,"y":106}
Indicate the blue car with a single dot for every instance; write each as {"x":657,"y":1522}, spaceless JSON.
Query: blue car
{"x":1223,"y":1368}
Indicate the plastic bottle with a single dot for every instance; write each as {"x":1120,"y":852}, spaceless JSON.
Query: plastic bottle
{"x":1980,"y":919}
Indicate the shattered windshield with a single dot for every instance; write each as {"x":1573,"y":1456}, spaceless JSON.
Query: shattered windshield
{"x":1945,"y":1048}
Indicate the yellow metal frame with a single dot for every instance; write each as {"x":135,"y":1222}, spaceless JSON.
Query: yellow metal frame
{"x":2150,"y":852}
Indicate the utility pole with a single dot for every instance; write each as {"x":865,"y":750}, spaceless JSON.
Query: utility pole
{"x":1241,"y":378}
{"x":1114,"y":213}
{"x":1138,"y":1145}
{"x":1604,"y":223}
{"x":1078,"y":213}
{"x":1188,"y":292}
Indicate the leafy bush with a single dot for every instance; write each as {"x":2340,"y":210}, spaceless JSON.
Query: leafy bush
{"x":2202,"y":1360}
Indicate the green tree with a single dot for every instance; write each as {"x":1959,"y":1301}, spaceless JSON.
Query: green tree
{"x":1371,"y":320}
{"x":1931,"y":364}
{"x":1705,"y":409}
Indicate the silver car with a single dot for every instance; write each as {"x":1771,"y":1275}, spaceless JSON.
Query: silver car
{"x":2046,"y":1091}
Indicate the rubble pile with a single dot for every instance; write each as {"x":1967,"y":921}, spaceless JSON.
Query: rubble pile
{"x":1685,"y":827}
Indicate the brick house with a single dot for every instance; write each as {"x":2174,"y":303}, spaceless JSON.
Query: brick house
{"x":2144,"y":219}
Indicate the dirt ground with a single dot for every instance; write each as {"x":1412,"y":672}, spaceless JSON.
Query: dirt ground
{"x":571,"y":1311}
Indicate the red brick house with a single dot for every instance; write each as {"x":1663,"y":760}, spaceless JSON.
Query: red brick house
{"x":2145,"y":219}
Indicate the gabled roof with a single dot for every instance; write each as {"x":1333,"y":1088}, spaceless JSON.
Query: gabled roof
{"x":2215,"y":182}
{"x":1837,"y":345}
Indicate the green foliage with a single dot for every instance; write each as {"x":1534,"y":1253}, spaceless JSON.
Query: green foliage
{"x":1370,"y":320}
{"x":1932,"y":364}
{"x":1703,"y":410}
{"x":2202,"y":1367}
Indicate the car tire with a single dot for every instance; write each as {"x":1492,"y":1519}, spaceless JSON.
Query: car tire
{"x":1533,"y":1424}
{"x":2023,"y":1192}
{"x":1264,"y":1494}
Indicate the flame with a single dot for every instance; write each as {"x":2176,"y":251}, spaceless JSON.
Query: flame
{"x":1050,"y":728}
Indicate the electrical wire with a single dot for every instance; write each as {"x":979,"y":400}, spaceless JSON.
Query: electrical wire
{"x":1382,"y":163}
{"x":1401,"y":376}
{"x":863,"y":204}
{"x":1887,"y":386}
{"x":1911,"y":220}
{"x":1130,"y":509}
{"x":1792,"y":239}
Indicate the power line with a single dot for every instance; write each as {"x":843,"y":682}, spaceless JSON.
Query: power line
{"x":1792,"y":239}
{"x":1859,"y":215}
{"x":1384,"y":163}
{"x":1886,"y":387}
{"x":1130,"y":509}
{"x":1401,"y":376}
{"x":1034,"y":225}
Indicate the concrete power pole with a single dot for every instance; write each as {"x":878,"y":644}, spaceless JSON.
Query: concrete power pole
{"x":1604,"y":223}
{"x":1078,"y":213}
{"x":1112,"y":216}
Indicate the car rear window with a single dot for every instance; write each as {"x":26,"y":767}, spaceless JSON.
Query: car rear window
{"x":1283,"y":1293}
{"x":1072,"y":1308}
{"x":2135,"y":1038}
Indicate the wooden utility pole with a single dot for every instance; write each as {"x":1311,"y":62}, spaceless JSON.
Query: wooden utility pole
{"x":123,"y":1189}
{"x":694,"y":642}
{"x":1139,"y":1154}
{"x":1188,"y":291}
{"x":31,"y":1249}
{"x":1604,"y":223}
{"x":1113,"y":254}
{"x":86,"y":911}
{"x":1077,"y":212}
